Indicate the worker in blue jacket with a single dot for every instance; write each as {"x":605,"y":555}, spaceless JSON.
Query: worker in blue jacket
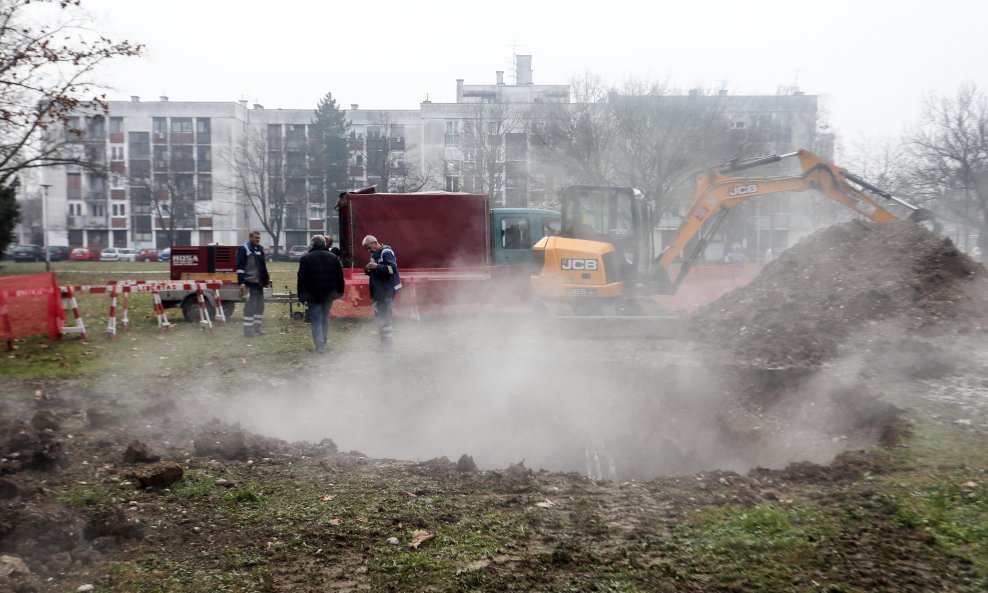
{"x":252,"y":276}
{"x":384,"y":284}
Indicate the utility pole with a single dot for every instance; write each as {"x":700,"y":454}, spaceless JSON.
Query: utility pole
{"x":44,"y":225}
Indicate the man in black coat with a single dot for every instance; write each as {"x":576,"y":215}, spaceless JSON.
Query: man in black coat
{"x":320,"y":282}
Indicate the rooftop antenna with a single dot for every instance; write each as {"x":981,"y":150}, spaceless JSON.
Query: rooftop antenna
{"x":514,"y":62}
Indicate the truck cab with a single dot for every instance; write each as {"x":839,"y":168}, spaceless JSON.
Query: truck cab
{"x":515,"y":230}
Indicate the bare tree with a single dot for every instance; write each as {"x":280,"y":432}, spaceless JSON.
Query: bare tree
{"x":950,"y":148}
{"x":48,"y":57}
{"x":663,"y":139}
{"x":260,"y":181}
{"x":391,"y":160}
{"x":579,"y":138}
{"x":488,"y":134}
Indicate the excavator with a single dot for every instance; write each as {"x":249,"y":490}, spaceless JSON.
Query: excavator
{"x":604,"y":263}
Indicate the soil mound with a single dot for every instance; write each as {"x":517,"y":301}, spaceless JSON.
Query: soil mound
{"x":841,"y":279}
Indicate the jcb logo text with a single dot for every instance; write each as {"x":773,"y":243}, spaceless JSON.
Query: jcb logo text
{"x":742,"y":190}
{"x":589,"y":265}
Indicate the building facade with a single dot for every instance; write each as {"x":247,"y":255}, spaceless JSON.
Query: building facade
{"x":174,"y":172}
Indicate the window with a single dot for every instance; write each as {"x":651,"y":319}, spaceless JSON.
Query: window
{"x":182,"y":125}
{"x":116,"y":125}
{"x":451,"y":127}
{"x":75,"y":209}
{"x":203,"y":128}
{"x":140,"y":145}
{"x":397,"y":131}
{"x":737,"y":124}
{"x":452,"y":183}
{"x":373,"y":132}
{"x":493,"y":128}
{"x":550,"y":226}
{"x":360,"y":159}
{"x":205,"y":189}
{"x":317,"y":211}
{"x":116,"y":153}
{"x":119,"y":209}
{"x":159,"y":125}
{"x":515,"y":233}
{"x":97,"y":209}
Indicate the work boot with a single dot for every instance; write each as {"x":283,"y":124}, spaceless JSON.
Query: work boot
{"x":258,"y":332}
{"x":248,"y":332}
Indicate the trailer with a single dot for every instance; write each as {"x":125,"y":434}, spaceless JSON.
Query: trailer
{"x":452,"y":248}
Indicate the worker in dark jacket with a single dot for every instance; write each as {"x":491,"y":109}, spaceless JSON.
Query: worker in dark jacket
{"x":384,"y":284}
{"x":252,"y":276}
{"x":320,"y":282}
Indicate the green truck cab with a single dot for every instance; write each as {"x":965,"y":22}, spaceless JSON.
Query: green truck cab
{"x":515,"y":230}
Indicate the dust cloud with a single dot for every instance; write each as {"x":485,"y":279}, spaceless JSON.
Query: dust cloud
{"x":498,"y":388}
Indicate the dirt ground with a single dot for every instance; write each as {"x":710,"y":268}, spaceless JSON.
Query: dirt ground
{"x":784,"y":447}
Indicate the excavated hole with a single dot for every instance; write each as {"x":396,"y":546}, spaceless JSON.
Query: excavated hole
{"x":609,"y":419}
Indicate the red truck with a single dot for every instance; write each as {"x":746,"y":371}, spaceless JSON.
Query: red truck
{"x":452,"y":248}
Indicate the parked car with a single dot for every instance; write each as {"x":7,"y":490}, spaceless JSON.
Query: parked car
{"x":28,"y":253}
{"x":165,"y":254}
{"x":85,"y":254}
{"x":118,"y":254}
{"x":8,"y":251}
{"x":58,"y":252}
{"x":297,"y":251}
{"x":147,"y":254}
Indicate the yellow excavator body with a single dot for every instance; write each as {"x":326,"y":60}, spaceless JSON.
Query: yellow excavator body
{"x":574,"y":269}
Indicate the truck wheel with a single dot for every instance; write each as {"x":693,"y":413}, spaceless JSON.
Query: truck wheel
{"x":190,"y":309}
{"x":228,"y":308}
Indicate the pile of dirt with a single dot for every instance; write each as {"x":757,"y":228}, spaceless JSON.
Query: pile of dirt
{"x":842,"y":279}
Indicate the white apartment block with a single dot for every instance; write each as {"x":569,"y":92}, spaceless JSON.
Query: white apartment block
{"x":480,"y":143}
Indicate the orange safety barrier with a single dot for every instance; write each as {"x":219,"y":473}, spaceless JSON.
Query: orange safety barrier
{"x":30,"y":304}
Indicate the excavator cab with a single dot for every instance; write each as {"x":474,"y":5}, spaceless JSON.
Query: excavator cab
{"x":605,"y":248}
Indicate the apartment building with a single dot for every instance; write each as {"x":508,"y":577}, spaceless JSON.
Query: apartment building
{"x":168,"y":175}
{"x":172,"y":179}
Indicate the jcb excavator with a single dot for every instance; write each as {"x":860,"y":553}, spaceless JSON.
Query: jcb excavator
{"x":604,"y":260}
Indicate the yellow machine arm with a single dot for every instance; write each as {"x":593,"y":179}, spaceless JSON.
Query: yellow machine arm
{"x":717,"y":191}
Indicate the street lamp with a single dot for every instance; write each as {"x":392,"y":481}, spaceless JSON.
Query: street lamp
{"x":44,"y":225}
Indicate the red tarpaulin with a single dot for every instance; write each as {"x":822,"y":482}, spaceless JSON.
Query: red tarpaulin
{"x":30,"y":305}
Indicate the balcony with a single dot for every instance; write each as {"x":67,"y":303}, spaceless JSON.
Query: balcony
{"x":75,"y":222}
{"x":96,"y":222}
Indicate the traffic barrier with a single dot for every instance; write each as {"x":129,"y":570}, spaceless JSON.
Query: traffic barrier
{"x":220,"y":314}
{"x":5,"y":326}
{"x":204,"y":321}
{"x":80,"y":327}
{"x":29,"y":305}
{"x":111,"y":320}
{"x":159,"y":312}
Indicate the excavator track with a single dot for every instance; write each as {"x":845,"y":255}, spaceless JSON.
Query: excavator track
{"x":630,"y":318}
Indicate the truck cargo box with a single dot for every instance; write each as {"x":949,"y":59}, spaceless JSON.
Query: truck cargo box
{"x":426,"y":230}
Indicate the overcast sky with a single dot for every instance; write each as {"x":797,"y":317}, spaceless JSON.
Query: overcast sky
{"x":872,"y":61}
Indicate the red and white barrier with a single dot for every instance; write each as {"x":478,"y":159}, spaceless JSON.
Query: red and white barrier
{"x":204,"y":321}
{"x":159,"y":312}
{"x":80,"y":326}
{"x":111,"y":321}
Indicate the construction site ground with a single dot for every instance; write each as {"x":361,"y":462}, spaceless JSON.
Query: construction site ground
{"x":823,"y":428}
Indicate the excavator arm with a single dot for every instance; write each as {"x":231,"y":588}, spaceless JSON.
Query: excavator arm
{"x":718,"y":190}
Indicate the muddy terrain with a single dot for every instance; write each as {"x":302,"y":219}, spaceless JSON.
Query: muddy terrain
{"x":815,"y":433}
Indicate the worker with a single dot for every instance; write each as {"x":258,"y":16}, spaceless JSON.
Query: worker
{"x":320,"y":282}
{"x":384,"y":284}
{"x":252,"y":276}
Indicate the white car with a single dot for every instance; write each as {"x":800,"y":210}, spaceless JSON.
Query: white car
{"x":118,"y":254}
